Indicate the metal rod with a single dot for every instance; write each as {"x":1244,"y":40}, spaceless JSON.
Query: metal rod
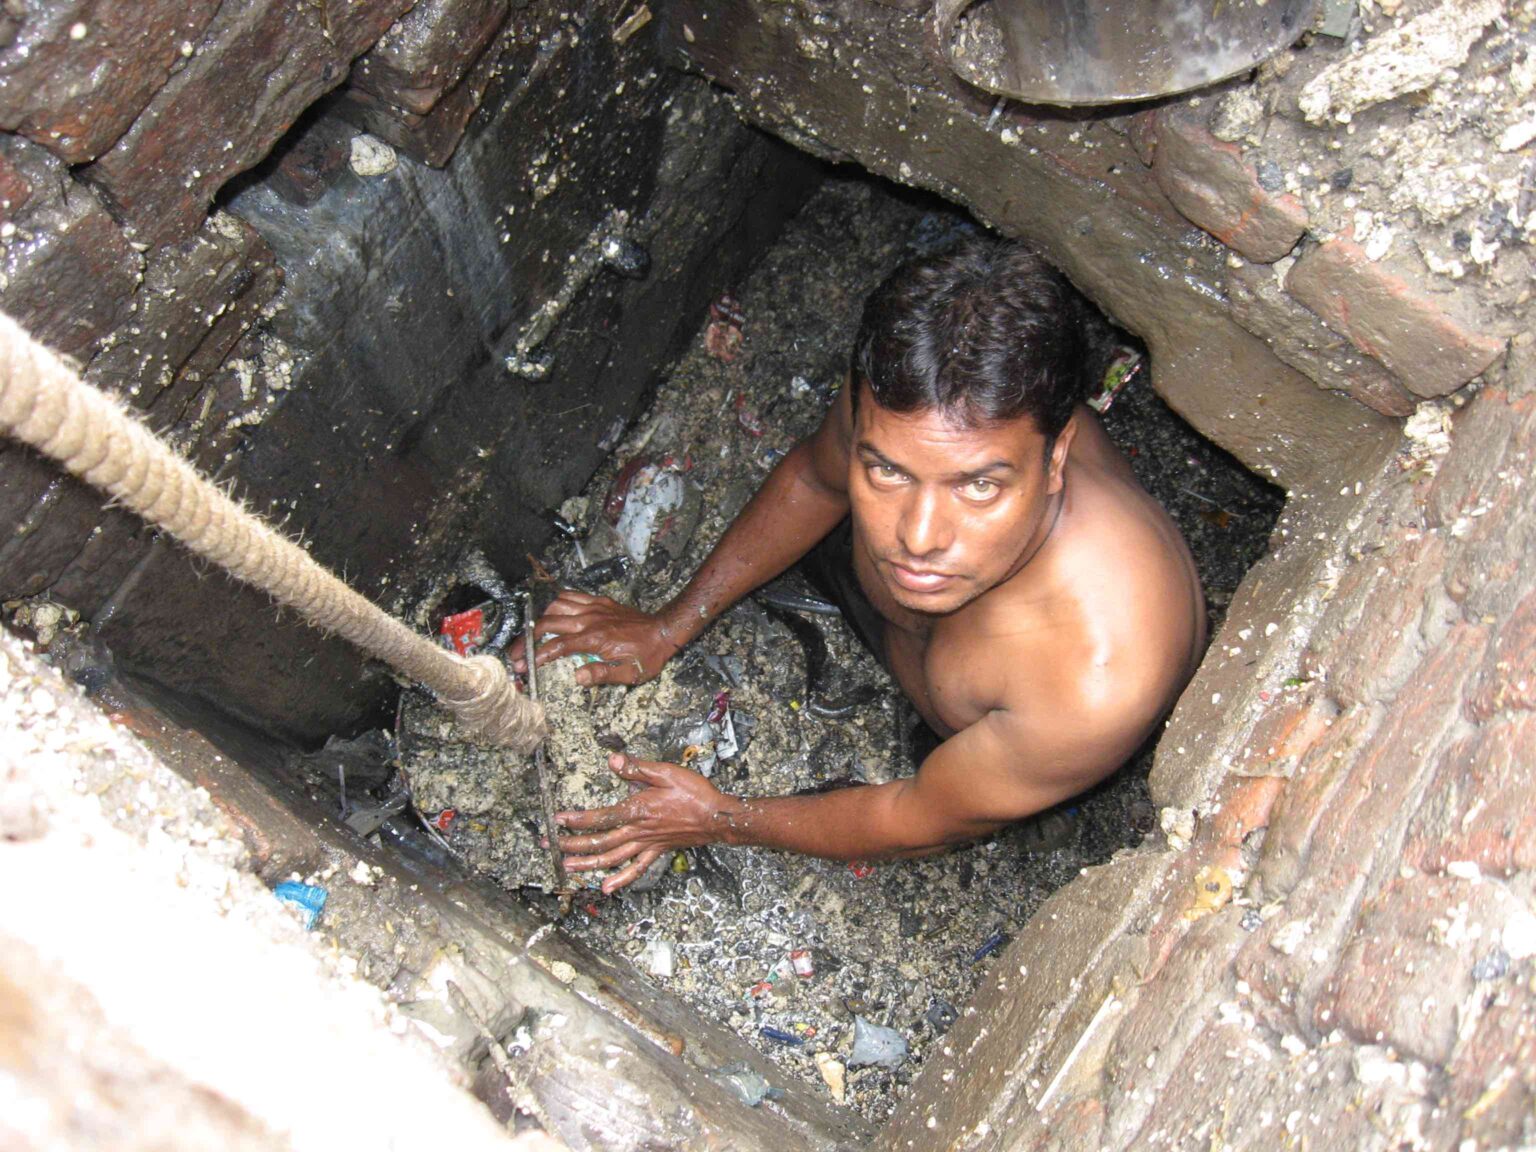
{"x":546,"y":792}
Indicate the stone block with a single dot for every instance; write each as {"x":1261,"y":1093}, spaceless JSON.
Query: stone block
{"x":1307,"y":802}
{"x":261,"y":63}
{"x":67,"y":272}
{"x":1406,"y":976}
{"x":199,"y":297}
{"x":1432,"y":350}
{"x":1284,"y":735}
{"x":1167,"y":1015}
{"x":75,"y":73}
{"x":1308,"y":345}
{"x":1478,"y":807}
{"x":308,"y":163}
{"x":432,"y":138}
{"x":428,"y":51}
{"x":1345,"y":837}
{"x":1210,"y":183}
{"x":1508,"y":682}
{"x":14,"y":190}
{"x":1369,"y":644}
{"x":1493,"y":1074}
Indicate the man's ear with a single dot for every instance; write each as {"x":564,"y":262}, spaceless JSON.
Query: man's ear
{"x":1056,"y":468}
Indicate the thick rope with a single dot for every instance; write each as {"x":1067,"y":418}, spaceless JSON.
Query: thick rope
{"x":43,"y":403}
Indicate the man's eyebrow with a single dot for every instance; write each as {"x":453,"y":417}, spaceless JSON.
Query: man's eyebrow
{"x":984,"y":470}
{"x":865,"y":448}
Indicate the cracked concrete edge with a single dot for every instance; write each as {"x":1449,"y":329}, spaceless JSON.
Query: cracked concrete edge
{"x":132,"y":887}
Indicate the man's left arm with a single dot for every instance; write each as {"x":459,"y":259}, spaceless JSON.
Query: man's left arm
{"x":992,"y":773}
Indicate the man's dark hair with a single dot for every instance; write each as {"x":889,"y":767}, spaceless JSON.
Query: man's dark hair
{"x":985,"y":332}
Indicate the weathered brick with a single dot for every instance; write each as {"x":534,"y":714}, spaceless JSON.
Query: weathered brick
{"x":1493,"y":1074}
{"x":76,"y":94}
{"x":432,"y":138}
{"x":1341,"y":836}
{"x":14,"y":190}
{"x":1210,"y":183}
{"x":1284,"y":735}
{"x":1308,"y":345}
{"x":1403,"y":980}
{"x":260,"y":65}
{"x":198,"y":298}
{"x":428,"y":51}
{"x":67,"y":272}
{"x":1508,"y":681}
{"x":1307,"y":801}
{"x":1370,"y":642}
{"x":1430,"y":349}
{"x":1478,"y":808}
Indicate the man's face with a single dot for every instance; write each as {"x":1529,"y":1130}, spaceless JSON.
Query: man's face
{"x":946,"y":512}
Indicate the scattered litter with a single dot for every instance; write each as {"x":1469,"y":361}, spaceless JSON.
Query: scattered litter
{"x":463,"y":632}
{"x":722,"y":338}
{"x":658,"y":957}
{"x":750,"y":1086}
{"x":941,"y":1015}
{"x":804,"y":966}
{"x":988,"y":946}
{"x":779,"y":1036}
{"x":874,"y":1044}
{"x":1127,"y":366}
{"x":309,"y":899}
{"x":366,"y":819}
{"x":834,"y":1075}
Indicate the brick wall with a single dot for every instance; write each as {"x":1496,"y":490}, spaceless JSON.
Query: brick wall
{"x":181,"y":213}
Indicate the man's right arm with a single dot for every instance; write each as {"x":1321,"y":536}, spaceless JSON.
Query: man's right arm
{"x":803,"y":498}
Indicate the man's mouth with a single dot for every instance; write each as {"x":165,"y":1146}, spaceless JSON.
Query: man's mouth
{"x":920,"y":579}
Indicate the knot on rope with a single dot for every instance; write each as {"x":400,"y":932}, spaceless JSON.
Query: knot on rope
{"x":493,"y":709}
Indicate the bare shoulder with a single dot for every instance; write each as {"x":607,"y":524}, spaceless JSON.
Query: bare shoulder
{"x":1102,"y":632}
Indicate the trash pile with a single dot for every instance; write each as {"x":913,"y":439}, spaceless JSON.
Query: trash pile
{"x":846,"y":975}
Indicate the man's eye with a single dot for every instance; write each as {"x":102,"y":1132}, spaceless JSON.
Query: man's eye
{"x":981,"y":489}
{"x":884,"y":472}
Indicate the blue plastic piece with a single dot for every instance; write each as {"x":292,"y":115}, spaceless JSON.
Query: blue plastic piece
{"x":781,"y":1037}
{"x":308,"y":898}
{"x":988,"y":946}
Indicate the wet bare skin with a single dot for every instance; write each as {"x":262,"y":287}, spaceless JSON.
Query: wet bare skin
{"x":1042,"y":615}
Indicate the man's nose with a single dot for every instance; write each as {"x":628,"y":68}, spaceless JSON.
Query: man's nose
{"x":924,"y":529}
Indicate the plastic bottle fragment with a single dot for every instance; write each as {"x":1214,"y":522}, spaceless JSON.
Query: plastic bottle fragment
{"x":874,"y":1044}
{"x":309,"y":899}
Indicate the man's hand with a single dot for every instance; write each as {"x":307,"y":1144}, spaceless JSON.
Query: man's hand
{"x":675,"y":808}
{"x":632,"y":644}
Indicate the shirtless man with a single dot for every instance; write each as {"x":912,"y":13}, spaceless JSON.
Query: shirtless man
{"x":1037,"y":606}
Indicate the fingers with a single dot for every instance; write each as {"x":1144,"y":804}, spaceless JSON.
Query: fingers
{"x":609,"y":859}
{"x":609,"y":671}
{"x":570,"y":596}
{"x":593,"y":819}
{"x":600,"y":843}
{"x":632,"y":872}
{"x":651,"y":772}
